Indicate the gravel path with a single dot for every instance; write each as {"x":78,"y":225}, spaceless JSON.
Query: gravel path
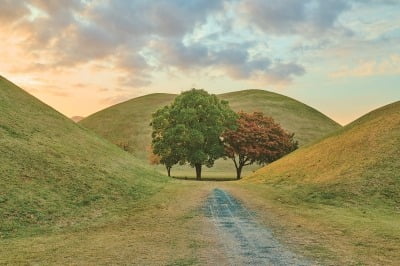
{"x":245,"y":241}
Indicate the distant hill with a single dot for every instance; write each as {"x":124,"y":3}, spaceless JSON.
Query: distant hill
{"x":307,"y":123}
{"x":127,"y":124}
{"x":55,"y":173}
{"x":359,"y":163}
{"x":77,"y":118}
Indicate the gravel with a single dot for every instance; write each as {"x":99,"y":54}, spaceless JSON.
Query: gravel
{"x":245,"y":242}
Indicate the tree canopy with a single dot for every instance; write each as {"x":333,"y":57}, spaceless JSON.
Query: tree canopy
{"x":189,"y":130}
{"x":256,"y":139}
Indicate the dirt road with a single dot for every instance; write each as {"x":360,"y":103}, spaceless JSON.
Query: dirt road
{"x":245,"y":242}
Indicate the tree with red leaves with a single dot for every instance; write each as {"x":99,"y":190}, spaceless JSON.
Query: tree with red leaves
{"x":257,"y":139}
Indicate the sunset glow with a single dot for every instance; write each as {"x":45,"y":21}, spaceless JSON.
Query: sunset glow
{"x":340,"y":57}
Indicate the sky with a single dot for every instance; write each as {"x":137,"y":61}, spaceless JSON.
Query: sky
{"x":81,"y":56}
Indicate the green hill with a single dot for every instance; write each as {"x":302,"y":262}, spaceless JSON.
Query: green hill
{"x":55,"y":174}
{"x":359,"y":163}
{"x":127,"y":124}
{"x":307,"y":123}
{"x":341,"y":193}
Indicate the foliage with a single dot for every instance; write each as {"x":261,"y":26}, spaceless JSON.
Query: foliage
{"x":188,"y":131}
{"x":257,"y":139}
{"x":164,"y":140}
{"x":129,"y":122}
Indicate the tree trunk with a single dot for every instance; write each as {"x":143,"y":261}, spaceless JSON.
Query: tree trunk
{"x":239,"y":171}
{"x":198,"y":171}
{"x":169,"y":171}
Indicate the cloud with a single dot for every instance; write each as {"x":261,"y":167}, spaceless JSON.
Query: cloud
{"x":12,"y":10}
{"x":175,"y":53}
{"x":285,"y":71}
{"x":234,"y":60}
{"x":69,"y":33}
{"x":378,"y":2}
{"x":306,"y":46}
{"x":49,"y":21}
{"x":138,"y":41}
{"x":238,"y":63}
{"x":165,"y":18}
{"x":285,"y":17}
{"x":130,"y":34}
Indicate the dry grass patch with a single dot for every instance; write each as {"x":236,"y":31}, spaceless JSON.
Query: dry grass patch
{"x":168,"y":230}
{"x":331,"y":235}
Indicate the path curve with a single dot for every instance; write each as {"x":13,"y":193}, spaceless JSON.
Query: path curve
{"x":245,"y":241}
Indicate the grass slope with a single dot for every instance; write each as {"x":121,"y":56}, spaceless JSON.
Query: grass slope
{"x":307,"y":123}
{"x":359,"y":161}
{"x":127,"y":124}
{"x":341,"y":196}
{"x":55,"y":174}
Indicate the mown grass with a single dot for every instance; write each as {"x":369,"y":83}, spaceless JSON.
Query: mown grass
{"x":343,"y":192}
{"x":67,"y":196}
{"x":308,"y":124}
{"x":359,"y":163}
{"x":127,"y":124}
{"x":166,"y":229}
{"x":340,"y":234}
{"x":56,"y":175}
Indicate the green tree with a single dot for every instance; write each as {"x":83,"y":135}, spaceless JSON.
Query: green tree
{"x":164,"y":136}
{"x":256,"y":139}
{"x":189,"y":130}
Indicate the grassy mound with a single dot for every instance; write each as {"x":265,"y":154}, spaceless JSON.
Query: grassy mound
{"x":55,"y":173}
{"x":358,"y":164}
{"x":127,"y":124}
{"x":307,"y":123}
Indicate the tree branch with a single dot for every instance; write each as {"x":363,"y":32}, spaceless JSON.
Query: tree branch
{"x":234,"y":161}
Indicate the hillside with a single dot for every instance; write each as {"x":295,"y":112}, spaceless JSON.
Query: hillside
{"x":307,"y":123}
{"x":55,"y":173}
{"x":359,"y":163}
{"x":127,"y":124}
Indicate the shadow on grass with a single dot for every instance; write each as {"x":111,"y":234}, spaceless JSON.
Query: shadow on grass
{"x":224,"y":179}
